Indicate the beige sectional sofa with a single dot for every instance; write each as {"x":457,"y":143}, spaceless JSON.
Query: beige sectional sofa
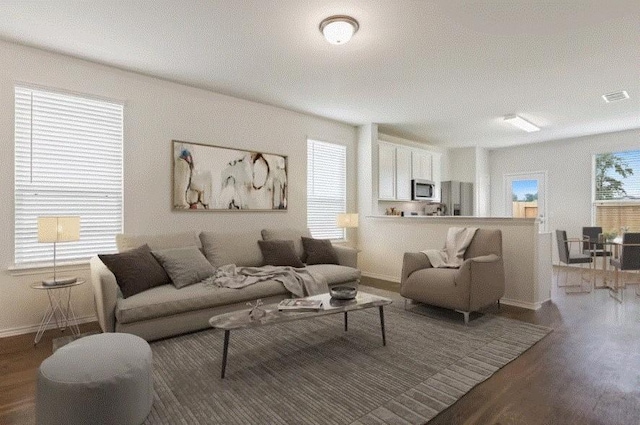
{"x":164,"y":311}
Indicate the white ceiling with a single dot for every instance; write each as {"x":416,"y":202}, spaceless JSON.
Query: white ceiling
{"x":443,"y":72}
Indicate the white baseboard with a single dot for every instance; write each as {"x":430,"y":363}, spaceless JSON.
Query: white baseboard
{"x":523,"y":304}
{"x":34,"y":328}
{"x":381,"y":276}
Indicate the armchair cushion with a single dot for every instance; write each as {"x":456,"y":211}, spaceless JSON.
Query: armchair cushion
{"x":440,"y":288}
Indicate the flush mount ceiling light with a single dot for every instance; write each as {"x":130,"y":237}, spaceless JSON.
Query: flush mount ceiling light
{"x":521,"y":123}
{"x":339,"y":29}
{"x":615,"y":96}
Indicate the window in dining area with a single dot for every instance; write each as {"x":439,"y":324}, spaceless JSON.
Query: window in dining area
{"x":616,"y":203}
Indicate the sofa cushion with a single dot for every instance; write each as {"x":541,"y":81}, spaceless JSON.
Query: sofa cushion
{"x":136,"y":270}
{"x":156,"y":242}
{"x":185,"y":266}
{"x":167,"y":300}
{"x":279,"y":253}
{"x":288,"y":234}
{"x":334,"y":273}
{"x":240,"y":249}
{"x":319,"y":251}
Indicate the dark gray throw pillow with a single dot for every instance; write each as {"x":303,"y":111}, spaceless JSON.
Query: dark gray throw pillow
{"x":185,"y":266}
{"x":279,"y":253}
{"x":319,"y":251}
{"x":136,"y":270}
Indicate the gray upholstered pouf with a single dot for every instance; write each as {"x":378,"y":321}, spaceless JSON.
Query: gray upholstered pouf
{"x":98,"y":379}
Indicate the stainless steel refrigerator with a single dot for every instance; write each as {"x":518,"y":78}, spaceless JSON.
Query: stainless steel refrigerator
{"x":457,"y":198}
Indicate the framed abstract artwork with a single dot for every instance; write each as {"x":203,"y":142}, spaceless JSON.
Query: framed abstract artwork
{"x":210,"y":178}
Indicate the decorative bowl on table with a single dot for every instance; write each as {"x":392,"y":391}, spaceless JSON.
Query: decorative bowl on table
{"x":343,"y":292}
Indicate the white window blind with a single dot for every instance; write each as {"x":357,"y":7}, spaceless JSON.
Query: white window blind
{"x":617,"y":191}
{"x":326,"y":188}
{"x":68,"y":161}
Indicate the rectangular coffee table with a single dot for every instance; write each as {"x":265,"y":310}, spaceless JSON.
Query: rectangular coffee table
{"x":241,"y":319}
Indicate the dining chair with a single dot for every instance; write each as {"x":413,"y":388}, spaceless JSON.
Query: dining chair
{"x":590,"y":246}
{"x":628,"y":259}
{"x":566,"y":257}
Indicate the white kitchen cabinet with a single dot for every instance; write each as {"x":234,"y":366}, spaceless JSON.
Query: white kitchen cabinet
{"x":386,"y":171}
{"x":403,"y":174}
{"x":398,"y":165}
{"x":421,"y":165}
{"x":436,"y":171}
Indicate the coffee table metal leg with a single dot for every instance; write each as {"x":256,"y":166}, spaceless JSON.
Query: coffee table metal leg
{"x":345,"y":321}
{"x":225,"y":350}
{"x":384,"y":338}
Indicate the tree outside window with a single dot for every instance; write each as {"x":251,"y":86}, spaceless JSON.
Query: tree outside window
{"x":617,"y":192}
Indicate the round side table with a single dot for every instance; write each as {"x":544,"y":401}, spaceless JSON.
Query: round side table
{"x":60,"y":308}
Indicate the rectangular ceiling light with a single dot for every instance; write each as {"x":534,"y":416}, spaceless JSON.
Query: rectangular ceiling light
{"x":615,"y":96}
{"x":521,"y":123}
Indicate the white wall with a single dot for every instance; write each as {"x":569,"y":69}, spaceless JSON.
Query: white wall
{"x":482,"y":187}
{"x":462,"y":165}
{"x":568,"y":164}
{"x":156,"y":112}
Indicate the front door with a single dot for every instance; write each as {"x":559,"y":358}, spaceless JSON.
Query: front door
{"x":525,"y":196}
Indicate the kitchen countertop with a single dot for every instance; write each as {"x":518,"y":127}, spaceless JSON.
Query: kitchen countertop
{"x":457,"y":218}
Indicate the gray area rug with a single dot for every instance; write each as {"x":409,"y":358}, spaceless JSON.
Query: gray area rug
{"x":312,"y":372}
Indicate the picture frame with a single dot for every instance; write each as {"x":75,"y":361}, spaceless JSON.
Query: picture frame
{"x":216,"y":178}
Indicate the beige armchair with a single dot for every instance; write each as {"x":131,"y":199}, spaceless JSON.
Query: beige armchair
{"x":477,"y":283}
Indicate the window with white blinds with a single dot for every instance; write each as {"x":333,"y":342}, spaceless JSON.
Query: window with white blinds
{"x":68,"y":162}
{"x":617,"y":191}
{"x":326,"y":188}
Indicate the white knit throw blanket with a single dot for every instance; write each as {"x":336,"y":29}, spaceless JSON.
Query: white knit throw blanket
{"x":452,"y":256}
{"x":299,"y":281}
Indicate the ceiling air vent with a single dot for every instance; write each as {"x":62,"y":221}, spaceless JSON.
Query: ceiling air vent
{"x":615,"y":96}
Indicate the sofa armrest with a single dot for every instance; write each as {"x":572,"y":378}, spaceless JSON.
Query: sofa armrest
{"x":347,"y":256}
{"x":411,"y":262}
{"x":105,"y":294}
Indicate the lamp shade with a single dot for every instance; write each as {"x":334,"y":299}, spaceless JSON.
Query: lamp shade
{"x":347,"y":220}
{"x":58,"y":229}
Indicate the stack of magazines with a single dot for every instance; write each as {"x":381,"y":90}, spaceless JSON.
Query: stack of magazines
{"x":299,"y":304}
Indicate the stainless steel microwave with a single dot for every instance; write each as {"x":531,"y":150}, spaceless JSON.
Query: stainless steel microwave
{"x":423,"y":190}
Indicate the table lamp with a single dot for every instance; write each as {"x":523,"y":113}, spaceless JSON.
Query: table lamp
{"x":58,"y":229}
{"x":349,"y":220}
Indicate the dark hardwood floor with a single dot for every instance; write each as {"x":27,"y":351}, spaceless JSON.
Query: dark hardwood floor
{"x":587,"y":371}
{"x":19,"y":361}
